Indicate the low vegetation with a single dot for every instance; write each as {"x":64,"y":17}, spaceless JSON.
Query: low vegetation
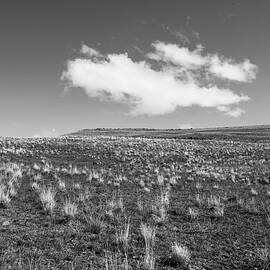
{"x":110,"y":203}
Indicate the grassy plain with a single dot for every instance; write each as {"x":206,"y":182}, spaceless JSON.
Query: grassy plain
{"x":136,"y":199}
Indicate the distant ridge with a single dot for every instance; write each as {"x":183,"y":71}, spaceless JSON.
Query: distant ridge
{"x":253,"y":133}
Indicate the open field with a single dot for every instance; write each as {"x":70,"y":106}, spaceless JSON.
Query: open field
{"x":247,"y":133}
{"x":113,"y":202}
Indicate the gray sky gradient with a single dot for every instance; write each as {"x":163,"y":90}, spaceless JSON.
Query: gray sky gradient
{"x":38,"y":37}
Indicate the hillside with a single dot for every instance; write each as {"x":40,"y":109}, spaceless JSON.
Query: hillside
{"x":254,"y":133}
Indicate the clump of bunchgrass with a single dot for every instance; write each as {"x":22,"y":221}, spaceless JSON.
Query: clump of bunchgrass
{"x":11,"y":190}
{"x":35,"y":186}
{"x":241,"y":202}
{"x":268,"y":219}
{"x":70,"y":208}
{"x":213,"y":201}
{"x":47,"y":198}
{"x":94,"y":223}
{"x":142,"y":183}
{"x":94,"y":175}
{"x":122,"y":236}
{"x":140,"y":205}
{"x":77,"y":186}
{"x":149,"y":233}
{"x":115,"y":205}
{"x":172,"y":180}
{"x":61,"y":185}
{"x":198,"y":185}
{"x":160,"y":179}
{"x":37,"y":177}
{"x":251,"y":205}
{"x":36,"y":167}
{"x":219,"y":210}
{"x":161,"y":204}
{"x":263,"y":255}
{"x":115,"y":262}
{"x":253,"y":192}
{"x":193,"y":213}
{"x":147,"y":190}
{"x":199,"y":199}
{"x":181,"y":254}
{"x":4,"y":195}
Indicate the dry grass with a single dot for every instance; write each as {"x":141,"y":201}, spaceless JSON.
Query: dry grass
{"x":149,"y":234}
{"x":70,"y":208}
{"x":219,"y":210}
{"x":115,"y":205}
{"x":253,"y":192}
{"x":213,"y":201}
{"x":181,"y":254}
{"x":115,"y":262}
{"x":92,"y":239}
{"x":251,"y":205}
{"x":47,"y":198}
{"x":161,"y":204}
{"x":4,"y":195}
{"x":160,"y":180}
{"x":94,"y":223}
{"x":263,"y":255}
{"x":123,"y":235}
{"x":35,"y":186}
{"x":199,"y":200}
{"x":193,"y":213}
{"x":61,"y":185}
{"x":198,"y":185}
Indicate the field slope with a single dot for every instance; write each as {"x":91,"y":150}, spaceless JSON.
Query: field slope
{"x":252,"y":133}
{"x":136,"y":200}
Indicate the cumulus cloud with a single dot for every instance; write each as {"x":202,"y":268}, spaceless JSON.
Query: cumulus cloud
{"x":172,"y":78}
{"x":178,"y":55}
{"x":178,"y":34}
{"x":89,"y":51}
{"x":215,"y":64}
{"x":228,"y":69}
{"x":235,"y":112}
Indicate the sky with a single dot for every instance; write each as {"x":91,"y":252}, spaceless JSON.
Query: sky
{"x":70,"y":65}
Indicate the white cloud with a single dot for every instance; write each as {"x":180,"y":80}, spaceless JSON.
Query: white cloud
{"x":196,"y":35}
{"x":235,"y":112}
{"x":217,"y":65}
{"x":223,"y":108}
{"x":183,"y":38}
{"x":177,"y":55}
{"x":175,"y":79}
{"x":179,"y":35}
{"x":228,"y":69}
{"x":89,"y":51}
